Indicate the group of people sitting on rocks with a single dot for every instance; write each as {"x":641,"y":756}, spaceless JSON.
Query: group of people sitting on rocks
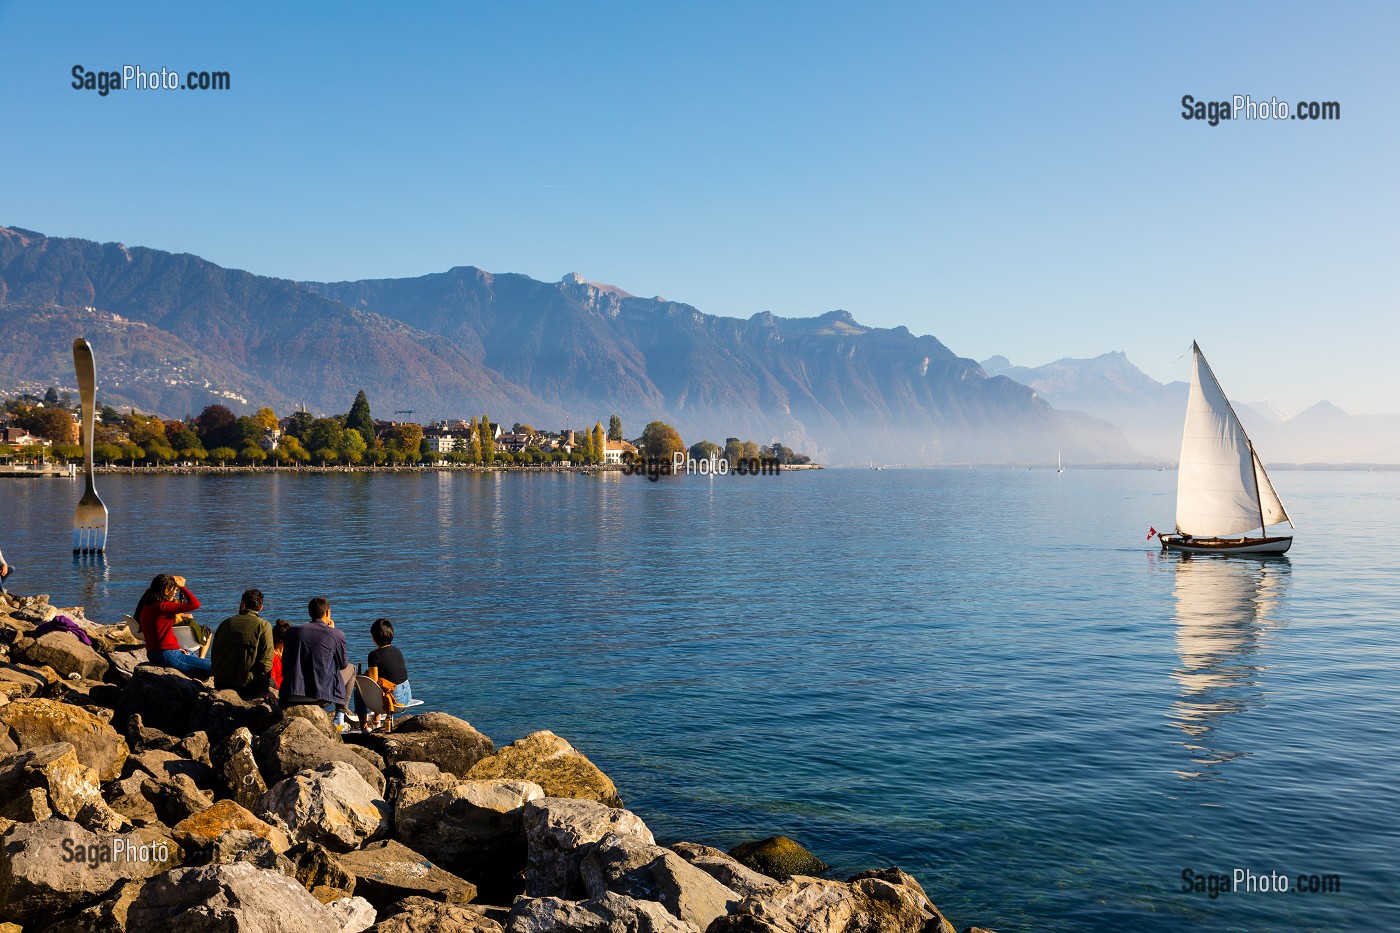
{"x":291,"y":664}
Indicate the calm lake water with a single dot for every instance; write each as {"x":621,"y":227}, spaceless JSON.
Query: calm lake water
{"x":986,"y":677}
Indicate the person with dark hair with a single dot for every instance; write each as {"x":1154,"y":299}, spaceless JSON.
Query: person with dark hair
{"x":279,"y":637}
{"x":166,"y":598}
{"x":4,"y":571}
{"x":313,"y":662}
{"x":387,"y":667}
{"x":242,"y":653}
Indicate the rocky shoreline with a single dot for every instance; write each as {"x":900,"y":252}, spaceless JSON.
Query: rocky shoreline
{"x":135,"y":798}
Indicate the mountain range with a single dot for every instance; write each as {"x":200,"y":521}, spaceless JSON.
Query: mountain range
{"x":174,"y":332}
{"x":1151,"y":413}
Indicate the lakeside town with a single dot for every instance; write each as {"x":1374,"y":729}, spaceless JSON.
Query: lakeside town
{"x":42,"y":434}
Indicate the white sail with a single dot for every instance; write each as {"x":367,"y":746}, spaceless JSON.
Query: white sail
{"x":1221,"y":487}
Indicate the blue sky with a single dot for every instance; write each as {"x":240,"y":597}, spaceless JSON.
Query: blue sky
{"x":1012,"y":178}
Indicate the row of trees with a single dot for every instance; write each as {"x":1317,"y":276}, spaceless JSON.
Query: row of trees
{"x":217,"y":435}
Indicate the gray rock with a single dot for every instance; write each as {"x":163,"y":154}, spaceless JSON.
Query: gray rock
{"x":165,"y":698}
{"x":725,"y":869}
{"x":175,"y":799}
{"x":311,"y":714}
{"x":224,"y":898}
{"x":411,"y":782}
{"x":66,"y":653}
{"x":611,"y":913}
{"x":421,"y":915}
{"x":556,"y":832}
{"x":473,"y":827}
{"x":236,"y":769}
{"x":195,"y":746}
{"x":626,"y":865}
{"x":106,"y":916}
{"x":71,"y":788}
{"x":448,"y":742}
{"x":389,"y":871}
{"x":130,"y":798}
{"x":34,"y":722}
{"x":354,"y":914}
{"x":206,"y":828}
{"x":295,"y":745}
{"x":317,"y":869}
{"x":123,"y":663}
{"x":332,"y":805}
{"x":167,"y":764}
{"x":49,"y":868}
{"x":552,"y":763}
{"x":242,"y":845}
{"x":870,"y":904}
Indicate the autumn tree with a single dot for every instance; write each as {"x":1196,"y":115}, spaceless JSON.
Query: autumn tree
{"x":404,"y":439}
{"x":488,"y":442}
{"x":705,"y":450}
{"x":52,"y":424}
{"x":266,"y":418}
{"x":661,"y":441}
{"x":597,"y":437}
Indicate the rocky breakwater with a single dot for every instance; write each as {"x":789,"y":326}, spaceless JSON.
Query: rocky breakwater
{"x":134,"y":798}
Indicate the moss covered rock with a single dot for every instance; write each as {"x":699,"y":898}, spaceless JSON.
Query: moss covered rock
{"x":778,"y":857}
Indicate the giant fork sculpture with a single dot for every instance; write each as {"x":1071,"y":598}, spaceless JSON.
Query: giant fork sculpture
{"x":90,"y":517}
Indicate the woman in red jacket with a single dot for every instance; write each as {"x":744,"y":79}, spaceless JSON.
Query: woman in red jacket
{"x":166,"y":598}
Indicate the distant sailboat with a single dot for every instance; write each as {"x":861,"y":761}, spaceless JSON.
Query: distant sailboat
{"x":1059,"y":465}
{"x":1221,"y":486}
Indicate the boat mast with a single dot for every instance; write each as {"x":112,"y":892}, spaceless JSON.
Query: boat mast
{"x":1258,"y":496}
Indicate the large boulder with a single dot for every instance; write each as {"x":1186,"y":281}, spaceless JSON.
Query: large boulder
{"x":421,"y":915}
{"x":877,"y":902}
{"x":778,"y":857}
{"x":175,"y":799}
{"x":627,"y":865}
{"x":108,"y":915}
{"x":168,"y":764}
{"x":448,"y":742}
{"x":129,"y":797}
{"x":236,"y":769}
{"x":725,"y":869}
{"x":294,"y":745}
{"x":332,"y":805}
{"x":165,"y":699}
{"x":611,"y":913}
{"x":70,"y":788}
{"x":49,"y":868}
{"x":223,"y":898}
{"x":33,"y":722}
{"x":18,"y":681}
{"x":203,"y":829}
{"x":474,"y":827}
{"x":552,"y":763}
{"x":557,"y":830}
{"x":319,"y":871}
{"x":354,"y":914}
{"x":411,"y":782}
{"x":66,"y":653}
{"x":389,"y":871}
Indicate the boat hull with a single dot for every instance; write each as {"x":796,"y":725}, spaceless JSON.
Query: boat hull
{"x":1276,"y":545}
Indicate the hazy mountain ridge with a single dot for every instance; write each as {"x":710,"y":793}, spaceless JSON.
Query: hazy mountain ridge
{"x":467,"y":341}
{"x":1151,"y":413}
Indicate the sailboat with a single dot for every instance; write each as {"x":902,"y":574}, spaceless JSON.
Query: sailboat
{"x":1059,"y":464}
{"x":1221,"y":486}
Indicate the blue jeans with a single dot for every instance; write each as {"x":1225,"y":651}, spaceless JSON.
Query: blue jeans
{"x":191,"y":664}
{"x":403,"y":693}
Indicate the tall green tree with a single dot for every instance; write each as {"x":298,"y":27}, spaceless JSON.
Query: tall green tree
{"x":614,"y":428}
{"x":359,"y":417}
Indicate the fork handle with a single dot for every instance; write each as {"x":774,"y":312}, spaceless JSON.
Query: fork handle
{"x":87,"y":395}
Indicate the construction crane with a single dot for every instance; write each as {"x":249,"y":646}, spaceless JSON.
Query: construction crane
{"x":407,"y":411}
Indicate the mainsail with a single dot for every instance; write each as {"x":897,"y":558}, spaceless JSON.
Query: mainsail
{"x":1221,"y":486}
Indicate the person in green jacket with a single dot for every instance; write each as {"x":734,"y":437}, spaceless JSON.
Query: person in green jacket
{"x":242,"y":651}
